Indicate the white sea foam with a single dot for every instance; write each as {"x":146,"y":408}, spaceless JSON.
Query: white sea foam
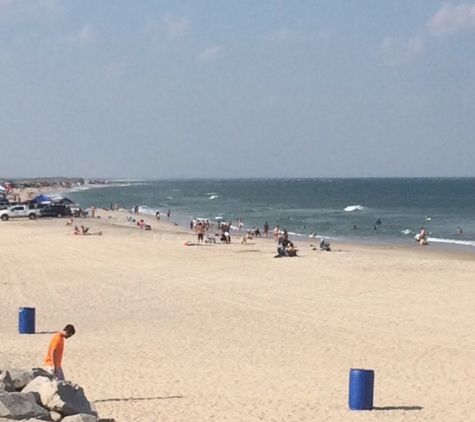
{"x":145,"y":210}
{"x":351,"y":208}
{"x":407,"y":231}
{"x":451,"y":241}
{"x":213,"y":196}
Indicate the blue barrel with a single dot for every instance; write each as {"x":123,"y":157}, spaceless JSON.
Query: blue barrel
{"x":361,"y":389}
{"x":26,"y":320}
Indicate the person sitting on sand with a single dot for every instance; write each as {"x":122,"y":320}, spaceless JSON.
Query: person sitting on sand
{"x":70,"y":222}
{"x":76,"y":230}
{"x":84,"y":230}
{"x":290,"y":249}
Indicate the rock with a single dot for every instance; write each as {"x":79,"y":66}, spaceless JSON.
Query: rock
{"x":80,"y":418}
{"x":27,"y":420}
{"x":61,"y":396}
{"x":22,"y":377}
{"x":40,"y":372}
{"x":21,"y":406}
{"x":34,"y":387}
{"x":6,"y":382}
{"x":55,"y":416}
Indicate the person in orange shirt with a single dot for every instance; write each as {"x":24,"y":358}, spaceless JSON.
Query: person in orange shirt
{"x":54,"y":354}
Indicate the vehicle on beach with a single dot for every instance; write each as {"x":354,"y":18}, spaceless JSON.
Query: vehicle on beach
{"x":55,"y":210}
{"x":79,"y":212}
{"x":19,"y":211}
{"x":4,"y":204}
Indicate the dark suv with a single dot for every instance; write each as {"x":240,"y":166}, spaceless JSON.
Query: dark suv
{"x":56,"y":210}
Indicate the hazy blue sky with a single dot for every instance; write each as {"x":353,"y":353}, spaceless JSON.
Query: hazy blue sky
{"x":222,"y":88}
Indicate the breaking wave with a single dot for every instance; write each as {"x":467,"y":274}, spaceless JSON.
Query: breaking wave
{"x":351,"y":208}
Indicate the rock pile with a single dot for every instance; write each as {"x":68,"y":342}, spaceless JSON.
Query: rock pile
{"x":33,"y":395}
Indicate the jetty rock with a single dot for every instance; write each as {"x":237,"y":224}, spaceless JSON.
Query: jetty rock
{"x":63,"y":397}
{"x":6,"y":382}
{"x":21,"y":406}
{"x":43,"y":398}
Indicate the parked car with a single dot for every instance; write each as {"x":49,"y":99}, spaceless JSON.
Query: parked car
{"x":18,"y":211}
{"x":4,"y":204}
{"x":79,"y":212}
{"x":56,"y":210}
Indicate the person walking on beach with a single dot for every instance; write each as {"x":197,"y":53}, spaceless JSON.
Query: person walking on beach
{"x":54,"y":354}
{"x":266,"y":229}
{"x":168,"y":213}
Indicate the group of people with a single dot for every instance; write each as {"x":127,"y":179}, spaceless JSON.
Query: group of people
{"x":286,"y":248}
{"x":202,"y":227}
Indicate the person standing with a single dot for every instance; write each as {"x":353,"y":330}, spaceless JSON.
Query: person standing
{"x":266,"y":229}
{"x":168,"y":213}
{"x":93,"y":210}
{"x":422,"y":236}
{"x":276,"y":231}
{"x":200,"y":232}
{"x":54,"y":355}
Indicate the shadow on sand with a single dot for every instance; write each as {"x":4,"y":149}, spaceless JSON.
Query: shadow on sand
{"x":398,"y":408}
{"x":45,"y":332}
{"x":138,"y":399}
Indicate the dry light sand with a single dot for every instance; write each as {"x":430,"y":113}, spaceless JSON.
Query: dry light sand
{"x":167,"y":332}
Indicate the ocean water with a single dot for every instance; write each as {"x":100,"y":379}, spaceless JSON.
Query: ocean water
{"x":329,"y":207}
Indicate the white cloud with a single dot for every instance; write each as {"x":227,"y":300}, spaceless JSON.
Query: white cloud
{"x":86,"y":36}
{"x":209,"y":54}
{"x":396,"y":51}
{"x":451,"y":19}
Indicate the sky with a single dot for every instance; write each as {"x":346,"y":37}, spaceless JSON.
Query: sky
{"x":156,"y":89}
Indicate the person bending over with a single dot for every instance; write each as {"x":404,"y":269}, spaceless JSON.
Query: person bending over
{"x":54,"y":354}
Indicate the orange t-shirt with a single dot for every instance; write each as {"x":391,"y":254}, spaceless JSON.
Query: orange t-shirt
{"x":57,"y":344}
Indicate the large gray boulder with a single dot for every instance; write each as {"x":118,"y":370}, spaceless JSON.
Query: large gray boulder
{"x":80,"y":418}
{"x":21,"y":406}
{"x":61,"y":396}
{"x":34,"y":387}
{"x":22,"y":377}
{"x":6,"y":382}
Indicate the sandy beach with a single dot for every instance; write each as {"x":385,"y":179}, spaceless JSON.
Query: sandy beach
{"x":167,"y":332}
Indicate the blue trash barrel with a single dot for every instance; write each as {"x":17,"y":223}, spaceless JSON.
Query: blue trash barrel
{"x":26,"y":320}
{"x":361,"y":389}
